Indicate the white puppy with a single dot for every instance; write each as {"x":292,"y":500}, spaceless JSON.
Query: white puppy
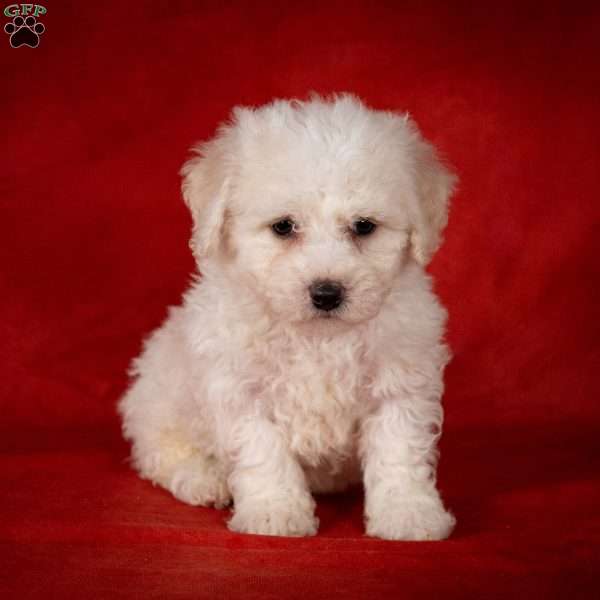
{"x":309,"y":353}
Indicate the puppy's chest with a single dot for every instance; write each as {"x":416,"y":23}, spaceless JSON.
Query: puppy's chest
{"x":316,"y":396}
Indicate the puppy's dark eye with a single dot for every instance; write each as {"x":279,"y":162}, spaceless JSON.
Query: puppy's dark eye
{"x":284,"y":227}
{"x":363,"y":227}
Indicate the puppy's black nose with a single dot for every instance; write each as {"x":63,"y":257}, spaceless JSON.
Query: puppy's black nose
{"x":326,"y":295}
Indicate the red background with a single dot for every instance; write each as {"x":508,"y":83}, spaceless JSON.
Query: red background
{"x":96,"y":122}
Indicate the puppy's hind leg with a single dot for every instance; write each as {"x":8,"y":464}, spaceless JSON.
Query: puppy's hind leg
{"x":164,"y":453}
{"x":200,"y":481}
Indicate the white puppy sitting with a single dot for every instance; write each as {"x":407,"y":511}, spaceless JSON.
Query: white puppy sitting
{"x":309,"y":354}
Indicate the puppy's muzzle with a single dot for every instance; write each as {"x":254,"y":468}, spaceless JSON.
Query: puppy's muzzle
{"x":326,"y":295}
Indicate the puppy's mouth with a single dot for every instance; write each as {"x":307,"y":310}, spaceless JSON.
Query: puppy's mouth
{"x":325,"y":321}
{"x":326,"y":316}
{"x":336,"y":314}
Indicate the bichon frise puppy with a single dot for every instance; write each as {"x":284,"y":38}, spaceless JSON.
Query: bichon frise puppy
{"x":309,"y":355}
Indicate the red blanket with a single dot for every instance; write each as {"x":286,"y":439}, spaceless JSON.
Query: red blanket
{"x":96,"y":121}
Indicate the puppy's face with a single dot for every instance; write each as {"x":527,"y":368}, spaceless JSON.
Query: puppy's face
{"x":312,"y":243}
{"x":316,"y":207}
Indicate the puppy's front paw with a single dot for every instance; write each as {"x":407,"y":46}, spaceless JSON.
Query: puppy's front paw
{"x":418,"y":518}
{"x":275,"y":517}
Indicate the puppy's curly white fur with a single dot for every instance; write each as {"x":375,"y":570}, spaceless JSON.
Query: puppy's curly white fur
{"x":309,"y":355}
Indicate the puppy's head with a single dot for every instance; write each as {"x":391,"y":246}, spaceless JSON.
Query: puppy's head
{"x":317,"y":206}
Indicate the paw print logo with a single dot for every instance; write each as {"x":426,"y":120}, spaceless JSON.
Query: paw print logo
{"x":24,"y":32}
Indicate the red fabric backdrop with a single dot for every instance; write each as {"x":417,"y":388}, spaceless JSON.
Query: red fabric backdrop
{"x":95,"y":124}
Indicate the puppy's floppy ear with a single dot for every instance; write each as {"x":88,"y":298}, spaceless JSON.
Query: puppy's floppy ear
{"x":435,"y":183}
{"x":205,"y":190}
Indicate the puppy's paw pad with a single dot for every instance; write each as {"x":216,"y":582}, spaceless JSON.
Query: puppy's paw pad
{"x":415,"y":519}
{"x":274,"y":518}
{"x":196,"y":483}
